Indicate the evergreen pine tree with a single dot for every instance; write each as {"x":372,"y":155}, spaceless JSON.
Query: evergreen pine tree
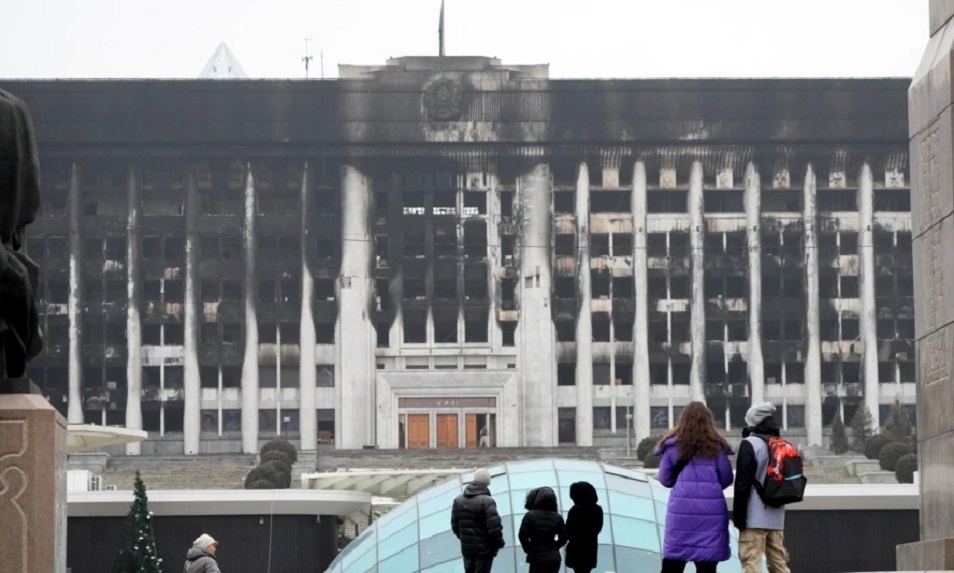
{"x":139,"y":555}
{"x":839,"y":440}
{"x":860,"y":428}
{"x":898,"y":426}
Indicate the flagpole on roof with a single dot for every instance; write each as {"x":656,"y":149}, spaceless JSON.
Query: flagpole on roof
{"x":440,"y":31}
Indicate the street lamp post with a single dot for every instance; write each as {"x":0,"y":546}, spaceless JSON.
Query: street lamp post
{"x":629,"y":418}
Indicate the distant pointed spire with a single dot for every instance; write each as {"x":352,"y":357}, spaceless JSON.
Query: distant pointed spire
{"x":440,"y":31}
{"x":223,"y":66}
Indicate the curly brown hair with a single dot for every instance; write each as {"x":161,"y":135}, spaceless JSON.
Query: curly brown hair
{"x":696,"y":433}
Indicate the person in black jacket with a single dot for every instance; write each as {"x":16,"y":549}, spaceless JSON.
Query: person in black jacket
{"x":583,"y":526}
{"x":542,"y":531}
{"x":475,"y":522}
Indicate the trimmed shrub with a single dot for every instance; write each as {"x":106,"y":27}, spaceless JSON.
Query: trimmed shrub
{"x":839,"y":440}
{"x":275,"y":455}
{"x":905,"y":468}
{"x":890,"y":454}
{"x":874,"y":444}
{"x":651,"y":462}
{"x":281,"y":446}
{"x":279,"y":464}
{"x":645,"y":447}
{"x":266,"y":473}
{"x":260,"y":484}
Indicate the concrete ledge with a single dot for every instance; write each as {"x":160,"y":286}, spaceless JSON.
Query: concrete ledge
{"x":933,"y":555}
{"x":92,"y":462}
{"x":858,"y":467}
{"x":832,"y":462}
{"x":878,"y":477}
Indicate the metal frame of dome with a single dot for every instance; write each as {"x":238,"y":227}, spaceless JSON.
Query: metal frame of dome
{"x":416,"y":537}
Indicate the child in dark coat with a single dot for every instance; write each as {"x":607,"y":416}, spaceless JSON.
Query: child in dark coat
{"x":583,"y":526}
{"x":542,"y":531}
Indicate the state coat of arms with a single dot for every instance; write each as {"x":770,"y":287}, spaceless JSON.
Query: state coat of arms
{"x":442,"y":100}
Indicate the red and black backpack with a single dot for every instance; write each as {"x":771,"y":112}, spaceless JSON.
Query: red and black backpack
{"x":784,"y":479}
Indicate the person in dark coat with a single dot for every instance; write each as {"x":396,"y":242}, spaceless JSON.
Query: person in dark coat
{"x":583,"y":526}
{"x":201,"y":556}
{"x":695,"y":464}
{"x":542,"y":531}
{"x":476,"y":523}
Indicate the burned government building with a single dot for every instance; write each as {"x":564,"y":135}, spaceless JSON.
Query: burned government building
{"x":445,"y":252}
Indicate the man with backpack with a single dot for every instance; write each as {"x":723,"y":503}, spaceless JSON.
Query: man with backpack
{"x":768,"y":476}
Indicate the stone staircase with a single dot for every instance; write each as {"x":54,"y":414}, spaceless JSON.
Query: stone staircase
{"x":331,"y":460}
{"x":215,"y":471}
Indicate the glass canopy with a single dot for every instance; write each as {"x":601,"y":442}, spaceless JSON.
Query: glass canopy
{"x":416,"y":536}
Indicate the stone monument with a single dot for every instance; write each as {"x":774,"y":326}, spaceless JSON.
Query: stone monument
{"x":32,"y":433}
{"x":931,"y":132}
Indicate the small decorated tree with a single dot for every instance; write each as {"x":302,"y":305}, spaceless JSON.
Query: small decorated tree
{"x":839,"y":440}
{"x":139,"y":555}
{"x":898,"y":426}
{"x":860,"y":428}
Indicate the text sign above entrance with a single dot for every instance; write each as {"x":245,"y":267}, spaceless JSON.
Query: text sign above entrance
{"x":447,"y":402}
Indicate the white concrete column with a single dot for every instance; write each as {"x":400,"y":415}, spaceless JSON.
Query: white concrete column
{"x":536,"y":341}
{"x":753,"y":231}
{"x":74,"y":200}
{"x":308,"y":413}
{"x":133,"y":299}
{"x":250,"y":393}
{"x":869,"y":308}
{"x":355,"y":425}
{"x":641,"y":380}
{"x":192,"y":413}
{"x":813,"y":416}
{"x":697,"y":243}
{"x":584,"y":323}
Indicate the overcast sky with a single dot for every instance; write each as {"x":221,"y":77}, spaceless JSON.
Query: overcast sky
{"x":578,"y":38}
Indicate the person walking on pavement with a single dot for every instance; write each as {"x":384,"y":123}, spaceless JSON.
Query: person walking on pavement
{"x":695,"y":464}
{"x":761,"y":527}
{"x":201,"y":556}
{"x":542,"y":531}
{"x":476,"y":523}
{"x":583,"y":526}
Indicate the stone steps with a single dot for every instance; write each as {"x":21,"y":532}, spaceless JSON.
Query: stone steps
{"x":442,"y":459}
{"x":179,"y":472}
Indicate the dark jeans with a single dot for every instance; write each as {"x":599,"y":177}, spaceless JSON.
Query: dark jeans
{"x":478,"y":564}
{"x":677,"y":566}
{"x":545,"y":567}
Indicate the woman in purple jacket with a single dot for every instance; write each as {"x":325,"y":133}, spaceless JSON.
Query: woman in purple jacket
{"x":695,"y":464}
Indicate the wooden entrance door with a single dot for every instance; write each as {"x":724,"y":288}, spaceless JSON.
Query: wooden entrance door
{"x":470,"y":430}
{"x":447,"y":431}
{"x":418,"y":431}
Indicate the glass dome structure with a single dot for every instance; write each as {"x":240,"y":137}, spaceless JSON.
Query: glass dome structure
{"x":416,"y":536}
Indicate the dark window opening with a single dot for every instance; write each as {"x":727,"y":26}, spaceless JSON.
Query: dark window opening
{"x":382,"y":330}
{"x":679,"y":287}
{"x":475,"y":325}
{"x":793,"y":329}
{"x":415,"y":282}
{"x":828,"y":286}
{"x":566,"y":374}
{"x":624,"y":375}
{"x":565,"y":245}
{"x":773,"y":373}
{"x":898,"y":200}
{"x":173,"y":248}
{"x":680,"y":328}
{"x":830,"y":373}
{"x":324,"y":333}
{"x":508,"y":247}
{"x":601,"y":375}
{"x":656,"y":245}
{"x":290,"y":332}
{"x":849,"y":287}
{"x":666,"y":201}
{"x":508,"y":332}
{"x":564,"y":202}
{"x":723,"y":201}
{"x":565,"y":331}
{"x":850,"y":372}
{"x":886,"y":372}
{"x":599,"y":245}
{"x":173,"y":290}
{"x":445,"y":326}
{"x":415,"y":326}
{"x":610,"y":201}
{"x":445,"y":239}
{"x":506,"y":203}
{"x":231,"y":290}
{"x":475,"y":239}
{"x":622,"y":244}
{"x":849,"y":243}
{"x":445,"y":282}
{"x":737,"y":330}
{"x":849,"y":329}
{"x":792,"y":286}
{"x":151,"y":334}
{"x":415,"y":239}
{"x":231,"y":333}
{"x":600,"y":284}
{"x":475,"y":281}
{"x":508,"y":296}
{"x":829,"y":330}
{"x":601,"y":327}
{"x":623,"y":287}
{"x":678,"y":244}
{"x":267,"y":333}
{"x":795,"y":373}
{"x":623,"y":331}
{"x":415,"y":203}
{"x":837,"y":200}
{"x":445,"y":203}
{"x":564,"y":287}
{"x":656,"y":287}
{"x":680,"y":374}
{"x":325,"y":289}
{"x":324,"y":248}
{"x":475,"y":203}
{"x":715,"y":330}
{"x":382,"y":251}
{"x":905,"y":328}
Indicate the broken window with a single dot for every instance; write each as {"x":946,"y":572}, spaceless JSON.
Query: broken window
{"x":680,"y":373}
{"x":829,"y":330}
{"x":849,"y":287}
{"x":782,"y":200}
{"x":445,"y":281}
{"x":828,"y":286}
{"x":415,"y":239}
{"x":610,"y":201}
{"x":565,"y":245}
{"x":564,"y":202}
{"x":599,"y":244}
{"x":723,"y":201}
{"x":793,"y":329}
{"x":324,"y":248}
{"x":475,"y":239}
{"x":600,"y":283}
{"x":624,"y":373}
{"x":566,"y":374}
{"x":656,"y":245}
{"x":830,"y":373}
{"x":678,"y":244}
{"x":773,"y":373}
{"x":680,"y":327}
{"x":623,"y":330}
{"x":151,"y":334}
{"x":771,"y":244}
{"x":445,"y":325}
{"x":115,"y":248}
{"x":475,"y":203}
{"x":849,"y":243}
{"x":508,"y":298}
{"x":905,"y":328}
{"x":837,"y":200}
{"x":445,"y":239}
{"x":564,"y":287}
{"x":415,"y":326}
{"x":565,"y":330}
{"x":886,"y":372}
{"x":906,"y":372}
{"x":623,"y":287}
{"x":849,"y":329}
{"x":715,"y":330}
{"x":850,"y":372}
{"x":737,"y":329}
{"x":883,"y":242}
{"x":174,"y":290}
{"x":622,"y":244}
{"x":885,"y":329}
{"x":601,"y":327}
{"x":601,"y":374}
{"x":475,"y":325}
{"x":679,"y":287}
{"x":508,"y":332}
{"x":794,"y":373}
{"x":735,"y":287}
{"x":381,"y":251}
{"x":792,"y":244}
{"x":792,"y":286}
{"x":415,"y":282}
{"x":231,"y":332}
{"x":898,"y":200}
{"x":58,"y":247}
{"x":506,"y":203}
{"x":475,"y":281}
{"x":714,"y":243}
{"x":415,"y":203}
{"x":666,"y":201}
{"x":738,"y":372}
{"x":445,"y":203}
{"x":656,"y":287}
{"x":324,"y":332}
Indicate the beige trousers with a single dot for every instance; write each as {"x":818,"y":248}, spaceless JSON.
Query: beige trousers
{"x":754,"y":543}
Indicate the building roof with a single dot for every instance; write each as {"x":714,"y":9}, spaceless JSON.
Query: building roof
{"x":223,"y":66}
{"x":84,"y":437}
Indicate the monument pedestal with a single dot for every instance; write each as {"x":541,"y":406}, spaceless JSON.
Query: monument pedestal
{"x":933,"y":555}
{"x":32,"y":484}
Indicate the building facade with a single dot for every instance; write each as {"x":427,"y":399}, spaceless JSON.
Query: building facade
{"x":450,"y":252}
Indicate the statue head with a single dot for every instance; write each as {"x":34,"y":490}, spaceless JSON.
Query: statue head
{"x":20,"y":338}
